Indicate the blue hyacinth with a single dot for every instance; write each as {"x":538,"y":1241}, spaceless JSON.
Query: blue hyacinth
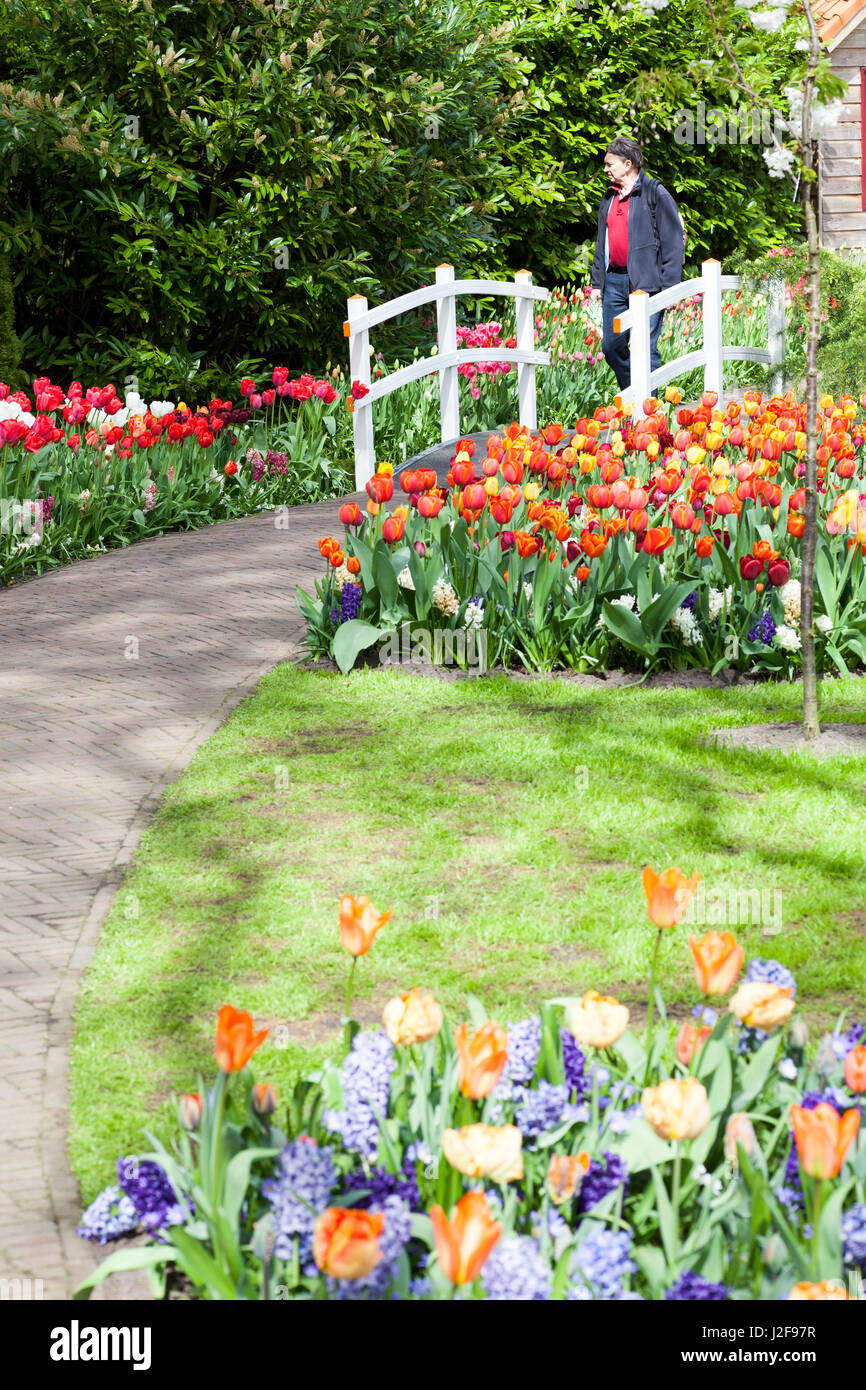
{"x":366,"y":1075}
{"x":515,"y":1272}
{"x":764,"y":630}
{"x":146,"y":1184}
{"x":109,"y":1215}
{"x":854,"y":1237}
{"x":694,"y":1288}
{"x":601,"y":1262}
{"x":299,"y":1194}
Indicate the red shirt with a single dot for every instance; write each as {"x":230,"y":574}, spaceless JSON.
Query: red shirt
{"x":617,"y":231}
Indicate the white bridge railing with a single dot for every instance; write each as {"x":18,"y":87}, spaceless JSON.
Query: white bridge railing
{"x":644,"y":382}
{"x":711,"y":355}
{"x":448,"y":357}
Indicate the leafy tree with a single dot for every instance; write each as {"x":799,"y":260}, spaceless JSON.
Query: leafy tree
{"x":603,"y":69}
{"x":209,"y":180}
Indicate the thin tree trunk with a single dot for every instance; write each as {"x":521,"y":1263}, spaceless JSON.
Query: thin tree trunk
{"x":809,"y":194}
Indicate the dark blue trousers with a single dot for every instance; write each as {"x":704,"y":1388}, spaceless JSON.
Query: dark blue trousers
{"x":615,"y":345}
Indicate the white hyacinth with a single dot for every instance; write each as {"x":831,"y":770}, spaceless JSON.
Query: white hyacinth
{"x":343,"y":575}
{"x":790,"y":591}
{"x":527,"y":591}
{"x":787,"y":638}
{"x":445,"y":597}
{"x":719,"y":599}
{"x":686,"y":625}
{"x":823,"y":623}
{"x":626,"y":601}
{"x":474,"y":615}
{"x":404,"y":578}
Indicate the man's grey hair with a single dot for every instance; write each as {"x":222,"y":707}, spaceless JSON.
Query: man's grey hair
{"x":626,"y":148}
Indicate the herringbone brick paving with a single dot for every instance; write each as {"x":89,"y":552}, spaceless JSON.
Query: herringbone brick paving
{"x":115,"y":670}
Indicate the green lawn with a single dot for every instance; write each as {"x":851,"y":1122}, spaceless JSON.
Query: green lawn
{"x":506,"y":824}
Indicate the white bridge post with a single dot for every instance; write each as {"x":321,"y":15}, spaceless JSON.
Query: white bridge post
{"x":449,"y":381}
{"x":711,"y":285}
{"x":524,"y":314}
{"x":639,"y":352}
{"x":362,"y":415}
{"x":776,"y":333}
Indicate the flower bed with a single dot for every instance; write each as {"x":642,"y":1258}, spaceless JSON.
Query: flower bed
{"x":561,"y":1157}
{"x":82,"y":471}
{"x":672,"y":541}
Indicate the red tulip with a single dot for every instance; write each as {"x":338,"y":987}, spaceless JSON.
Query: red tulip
{"x":393,"y":529}
{"x":682,"y":516}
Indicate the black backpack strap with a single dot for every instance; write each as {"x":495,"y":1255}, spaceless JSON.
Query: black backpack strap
{"x":651,"y":198}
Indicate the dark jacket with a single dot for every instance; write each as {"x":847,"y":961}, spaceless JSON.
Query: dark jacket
{"x":646,"y":271}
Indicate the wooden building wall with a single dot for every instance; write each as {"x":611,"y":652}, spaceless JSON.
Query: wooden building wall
{"x":842,"y":217}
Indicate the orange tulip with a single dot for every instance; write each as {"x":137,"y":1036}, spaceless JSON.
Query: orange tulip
{"x":828,"y":1290}
{"x":596,"y":1020}
{"x":235,"y":1040}
{"x":677,"y":1109}
{"x":667,"y":896}
{"x":718,"y":961}
{"x":657,"y":539}
{"x":704,"y":546}
{"x":464,"y":1243}
{"x":691,"y":1039}
{"x":412,"y":1018}
{"x":855,"y":1069}
{"x":593,"y":544}
{"x":359,"y":923}
{"x":346,"y":1242}
{"x":823,"y":1138}
{"x":762,"y":1004}
{"x":482,"y":1058}
{"x":485,"y":1151}
{"x":565,"y":1173}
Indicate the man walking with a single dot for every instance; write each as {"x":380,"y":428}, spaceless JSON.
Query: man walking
{"x":640,"y":246}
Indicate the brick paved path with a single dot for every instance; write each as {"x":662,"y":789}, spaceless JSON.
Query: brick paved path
{"x":91,"y":733}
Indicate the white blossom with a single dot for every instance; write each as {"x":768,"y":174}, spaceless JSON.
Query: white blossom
{"x":770,"y":21}
{"x":404,"y":578}
{"x":527,"y":591}
{"x":787,"y":638}
{"x":826,"y":117}
{"x":626,"y":601}
{"x":779,"y":162}
{"x":823,"y":623}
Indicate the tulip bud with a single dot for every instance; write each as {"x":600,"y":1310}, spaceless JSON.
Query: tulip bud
{"x":798,"y":1033}
{"x":264,"y":1099}
{"x":774,"y":1250}
{"x":420,"y":548}
{"x":739,"y":1130}
{"x":190,"y":1110}
{"x":825,"y":1058}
